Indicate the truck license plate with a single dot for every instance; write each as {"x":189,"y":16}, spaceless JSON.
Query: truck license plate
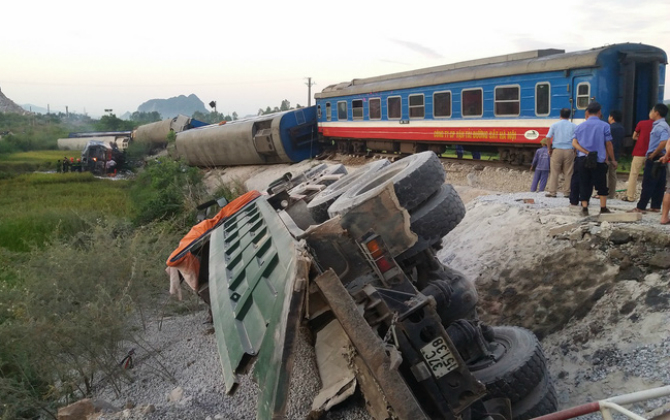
{"x":439,"y":358}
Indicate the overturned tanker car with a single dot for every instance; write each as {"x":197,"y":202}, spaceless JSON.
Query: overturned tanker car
{"x":352,"y":256}
{"x":283,"y":137}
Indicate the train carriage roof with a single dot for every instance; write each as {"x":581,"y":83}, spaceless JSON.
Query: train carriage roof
{"x":529,"y":62}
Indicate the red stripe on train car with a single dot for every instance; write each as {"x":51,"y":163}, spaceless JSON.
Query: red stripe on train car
{"x":521,"y":135}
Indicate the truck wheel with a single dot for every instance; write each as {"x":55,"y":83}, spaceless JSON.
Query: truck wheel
{"x":436,"y":217}
{"x":338,"y":169}
{"x":314,"y":171}
{"x":519,"y":369}
{"x":318,"y":207}
{"x":538,"y":403}
{"x":414,"y":178}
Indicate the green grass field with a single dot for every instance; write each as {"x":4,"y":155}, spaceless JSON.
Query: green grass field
{"x":33,"y":207}
{"x":41,"y":160}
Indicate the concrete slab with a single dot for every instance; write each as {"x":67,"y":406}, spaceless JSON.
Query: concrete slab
{"x":620,"y":217}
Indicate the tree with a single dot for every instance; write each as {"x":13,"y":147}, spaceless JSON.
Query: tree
{"x":112,"y":123}
{"x":285,"y":105}
{"x":145,"y":117}
{"x":235,"y":117}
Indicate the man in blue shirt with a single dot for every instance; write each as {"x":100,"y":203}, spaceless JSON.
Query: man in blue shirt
{"x":593,"y":141}
{"x":561,"y":152}
{"x":654,"y":175}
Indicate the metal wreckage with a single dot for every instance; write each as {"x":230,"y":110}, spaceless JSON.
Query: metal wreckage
{"x":352,"y":257}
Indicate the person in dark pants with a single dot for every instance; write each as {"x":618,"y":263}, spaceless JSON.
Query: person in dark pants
{"x":574,"y":186}
{"x":618,"y":133}
{"x":593,"y":141}
{"x":654,"y":175}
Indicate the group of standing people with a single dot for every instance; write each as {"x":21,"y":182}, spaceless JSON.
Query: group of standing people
{"x":587,"y":155}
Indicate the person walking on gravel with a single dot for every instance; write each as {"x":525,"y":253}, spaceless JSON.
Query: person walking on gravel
{"x":641,"y":137}
{"x":593,"y":141}
{"x":665,"y":220}
{"x":654,"y":175}
{"x":561,"y":152}
{"x":541,"y":166}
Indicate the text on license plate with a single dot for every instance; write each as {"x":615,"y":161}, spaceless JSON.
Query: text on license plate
{"x":439,"y":358}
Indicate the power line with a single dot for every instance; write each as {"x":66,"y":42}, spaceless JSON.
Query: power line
{"x":258,"y":82}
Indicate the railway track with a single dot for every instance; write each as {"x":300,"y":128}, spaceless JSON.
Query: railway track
{"x":481,"y":163}
{"x":393,"y":157}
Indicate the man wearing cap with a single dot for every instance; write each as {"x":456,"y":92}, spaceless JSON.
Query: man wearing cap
{"x":593,"y":141}
{"x":561,"y":152}
{"x":654,"y":175}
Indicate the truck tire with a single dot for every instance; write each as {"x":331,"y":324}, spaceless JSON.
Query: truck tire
{"x":538,"y":403}
{"x":414,"y":178}
{"x":520,"y":369}
{"x":318,"y":207}
{"x":314,"y":170}
{"x":338,"y":169}
{"x":434,"y":218}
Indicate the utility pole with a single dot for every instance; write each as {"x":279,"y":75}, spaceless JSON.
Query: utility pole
{"x":309,"y":90}
{"x":67,"y":112}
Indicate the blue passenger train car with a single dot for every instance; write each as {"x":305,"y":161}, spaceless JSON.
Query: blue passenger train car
{"x":504,"y":104}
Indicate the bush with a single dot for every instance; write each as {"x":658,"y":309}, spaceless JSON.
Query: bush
{"x":166,"y":189}
{"x":65,"y":321}
{"x":230,"y":191}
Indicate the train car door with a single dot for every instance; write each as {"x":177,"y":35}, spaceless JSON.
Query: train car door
{"x":582,"y":95}
{"x":641,"y":79}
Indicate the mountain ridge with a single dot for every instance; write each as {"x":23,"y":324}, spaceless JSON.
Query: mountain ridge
{"x":8,"y":106}
{"x":171,"y":107}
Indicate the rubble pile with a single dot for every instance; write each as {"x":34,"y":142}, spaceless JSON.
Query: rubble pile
{"x":597,"y":293}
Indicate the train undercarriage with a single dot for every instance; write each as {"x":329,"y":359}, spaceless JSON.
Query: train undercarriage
{"x":513,"y":154}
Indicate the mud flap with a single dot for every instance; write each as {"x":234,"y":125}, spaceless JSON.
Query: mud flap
{"x":338,"y":380}
{"x":371,"y":349}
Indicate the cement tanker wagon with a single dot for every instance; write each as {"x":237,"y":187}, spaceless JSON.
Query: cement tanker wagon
{"x":284,"y":137}
{"x":156,"y":133}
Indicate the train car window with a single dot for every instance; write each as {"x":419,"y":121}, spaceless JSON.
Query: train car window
{"x":506,"y":103}
{"x":342,"y":111}
{"x":442,"y":104}
{"x":375,"y":108}
{"x":318,"y":112}
{"x":472,"y":102}
{"x":329,"y":112}
{"x":583,"y":95}
{"x":542,"y":99}
{"x":393,"y":104}
{"x":357,"y":109}
{"x":416,"y":106}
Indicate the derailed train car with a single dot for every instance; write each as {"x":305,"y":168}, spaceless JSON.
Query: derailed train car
{"x":284,"y":137}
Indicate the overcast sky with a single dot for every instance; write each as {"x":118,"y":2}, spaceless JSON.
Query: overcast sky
{"x":251,"y":54}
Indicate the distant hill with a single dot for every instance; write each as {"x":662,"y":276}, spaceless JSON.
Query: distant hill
{"x":34,"y":108}
{"x":174,"y":106}
{"x":8,"y":106}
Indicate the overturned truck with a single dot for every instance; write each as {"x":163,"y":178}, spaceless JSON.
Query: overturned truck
{"x":352,"y":257}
